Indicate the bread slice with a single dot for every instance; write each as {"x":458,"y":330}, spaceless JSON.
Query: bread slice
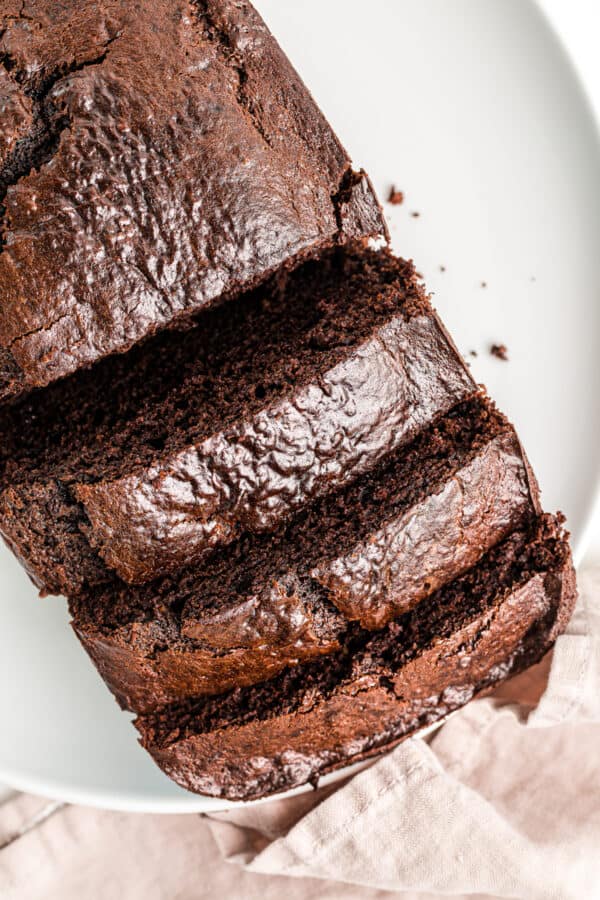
{"x":366,"y":554}
{"x":494,"y":621}
{"x":150,"y":460}
{"x":156,"y":157}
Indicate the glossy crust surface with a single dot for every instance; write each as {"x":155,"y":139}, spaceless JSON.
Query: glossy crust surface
{"x":148,"y":488}
{"x":255,"y":474}
{"x":155,"y":156}
{"x":372,"y":712}
{"x":295,"y":612}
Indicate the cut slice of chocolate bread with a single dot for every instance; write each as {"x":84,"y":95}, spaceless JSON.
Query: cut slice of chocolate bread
{"x":365,"y":554}
{"x":155,"y":158}
{"x":149,"y":460}
{"x":498,"y":619}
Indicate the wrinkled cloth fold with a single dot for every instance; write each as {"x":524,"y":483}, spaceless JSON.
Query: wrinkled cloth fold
{"x":502,"y":802}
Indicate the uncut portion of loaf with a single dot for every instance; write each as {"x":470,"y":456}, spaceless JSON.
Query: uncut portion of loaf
{"x":155,"y":157}
{"x":366,"y":554}
{"x":493,"y":622}
{"x":151,"y":459}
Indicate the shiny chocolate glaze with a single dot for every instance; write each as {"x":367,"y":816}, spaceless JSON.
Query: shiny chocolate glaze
{"x":253,"y":475}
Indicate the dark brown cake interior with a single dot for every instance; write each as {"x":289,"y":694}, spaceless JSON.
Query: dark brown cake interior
{"x":129,"y":411}
{"x":332,"y":525}
{"x":538,"y":549}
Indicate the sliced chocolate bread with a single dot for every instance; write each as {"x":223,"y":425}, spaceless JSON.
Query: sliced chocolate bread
{"x":291,"y":528}
{"x":494,"y":621}
{"x":155,"y":158}
{"x":148,"y":461}
{"x":368,"y":553}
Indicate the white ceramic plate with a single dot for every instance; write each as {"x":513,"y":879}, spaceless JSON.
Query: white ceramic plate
{"x":473,"y":110}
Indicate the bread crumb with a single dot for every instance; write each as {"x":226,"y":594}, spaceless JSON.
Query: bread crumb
{"x":473,"y":352}
{"x":415,"y":214}
{"x":500,"y":351}
{"x":442,"y":268}
{"x":484,"y":284}
{"x":395,"y":197}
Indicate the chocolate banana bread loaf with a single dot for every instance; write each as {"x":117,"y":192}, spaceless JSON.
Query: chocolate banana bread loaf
{"x":366,"y":554}
{"x":148,"y":461}
{"x":155,"y":158}
{"x":291,"y":528}
{"x":494,"y":621}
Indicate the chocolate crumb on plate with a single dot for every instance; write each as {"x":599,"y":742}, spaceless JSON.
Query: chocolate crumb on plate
{"x":395,"y":197}
{"x":500,"y":351}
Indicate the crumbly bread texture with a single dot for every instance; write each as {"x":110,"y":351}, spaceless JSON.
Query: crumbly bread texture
{"x":155,"y":158}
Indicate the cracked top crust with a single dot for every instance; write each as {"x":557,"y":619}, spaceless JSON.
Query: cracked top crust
{"x":155,"y":157}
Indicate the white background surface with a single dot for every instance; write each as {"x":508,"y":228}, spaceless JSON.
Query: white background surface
{"x":577,"y":22}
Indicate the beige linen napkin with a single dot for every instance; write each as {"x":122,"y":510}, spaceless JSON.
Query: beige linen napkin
{"x":503,"y":802}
